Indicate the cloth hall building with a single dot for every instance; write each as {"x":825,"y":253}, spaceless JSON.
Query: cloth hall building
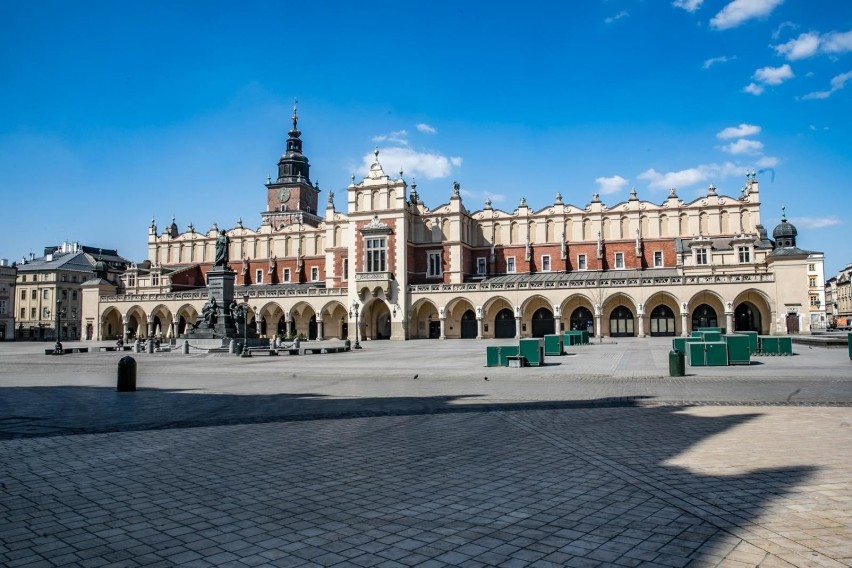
{"x":407,"y":270}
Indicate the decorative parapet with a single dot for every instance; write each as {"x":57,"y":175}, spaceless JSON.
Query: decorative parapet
{"x":602,"y":283}
{"x":202,"y":294}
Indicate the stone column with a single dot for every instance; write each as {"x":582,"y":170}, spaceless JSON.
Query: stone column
{"x":518,"y":327}
{"x":150,"y":328}
{"x":479,"y":327}
{"x":557,"y":319}
{"x":598,"y":330}
{"x":684,"y":332}
{"x":443,"y":322}
{"x":640,"y":314}
{"x":124,"y":330}
{"x":174,"y":326}
{"x":320,"y":334}
{"x":288,"y":326}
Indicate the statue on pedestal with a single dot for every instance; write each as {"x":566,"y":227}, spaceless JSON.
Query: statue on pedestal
{"x":222,"y":253}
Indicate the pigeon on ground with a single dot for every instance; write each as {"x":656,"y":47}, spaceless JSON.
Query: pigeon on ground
{"x":486,"y":378}
{"x":415,"y":376}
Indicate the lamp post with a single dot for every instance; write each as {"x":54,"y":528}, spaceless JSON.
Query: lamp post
{"x":354,"y":311}
{"x":245,"y":309}
{"x":57,"y":349}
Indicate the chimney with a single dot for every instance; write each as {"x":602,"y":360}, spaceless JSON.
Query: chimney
{"x":4,"y":262}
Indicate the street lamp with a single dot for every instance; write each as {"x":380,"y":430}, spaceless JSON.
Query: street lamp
{"x":245,"y":309}
{"x":354,"y":311}
{"x":57,"y":349}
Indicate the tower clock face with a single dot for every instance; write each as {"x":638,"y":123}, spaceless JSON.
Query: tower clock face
{"x":284,"y":195}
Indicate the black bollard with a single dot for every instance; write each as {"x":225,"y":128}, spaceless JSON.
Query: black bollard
{"x":126,"y":374}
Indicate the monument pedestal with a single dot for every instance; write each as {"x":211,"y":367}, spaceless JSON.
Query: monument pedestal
{"x":220,"y":286}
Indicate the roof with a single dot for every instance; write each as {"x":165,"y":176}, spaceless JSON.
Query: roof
{"x":74,"y":262}
{"x":583,"y":276}
{"x":790,"y":251}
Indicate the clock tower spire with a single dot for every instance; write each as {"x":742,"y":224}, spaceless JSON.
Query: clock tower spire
{"x":292,"y":198}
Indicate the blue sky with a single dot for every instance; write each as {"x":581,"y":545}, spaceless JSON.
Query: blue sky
{"x":114,"y":112}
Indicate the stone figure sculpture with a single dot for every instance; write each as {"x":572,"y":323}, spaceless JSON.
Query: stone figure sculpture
{"x":222,"y":245}
{"x":209,"y":313}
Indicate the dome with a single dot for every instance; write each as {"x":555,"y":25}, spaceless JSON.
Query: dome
{"x":785,"y":229}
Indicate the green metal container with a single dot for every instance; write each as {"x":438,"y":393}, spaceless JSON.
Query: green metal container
{"x":571,"y":338}
{"x":712,"y":336}
{"x":553,"y":344}
{"x":584,"y":334}
{"x":849,"y":344}
{"x":716,"y":329}
{"x":776,"y":345}
{"x":679,"y":343}
{"x":753,"y":343}
{"x":707,"y":354}
{"x":532,"y":349}
{"x":497,"y":355}
{"x":739,"y":352}
{"x":785,"y":345}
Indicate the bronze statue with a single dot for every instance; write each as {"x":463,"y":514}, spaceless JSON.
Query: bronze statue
{"x":222,"y":245}
{"x":209,"y":313}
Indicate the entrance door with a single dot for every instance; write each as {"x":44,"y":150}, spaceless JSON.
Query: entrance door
{"x":704,"y":316}
{"x":434,"y":329}
{"x":504,"y":324}
{"x":621,"y":322}
{"x":581,"y":319}
{"x":312,"y":328}
{"x":542,"y":322}
{"x":468,"y":325}
{"x":747,"y":318}
{"x":792,"y":323}
{"x":662,"y":321}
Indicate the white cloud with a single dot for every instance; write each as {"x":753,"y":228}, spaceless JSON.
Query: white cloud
{"x":426,"y":129}
{"x":688,"y":5}
{"x":618,"y":16}
{"x":812,"y":43}
{"x":837,"y":83}
{"x":781,"y":27}
{"x":456,"y":161}
{"x":481,"y":195}
{"x":740,"y":131}
{"x":689,"y":176}
{"x":767,"y":162}
{"x":803,"y":46}
{"x":743,"y":146}
{"x":836,"y":42}
{"x":721,"y":59}
{"x":607,"y":185}
{"x":398,"y":137}
{"x":753,"y":88}
{"x":773,"y":75}
{"x":420,"y":164}
{"x":815,"y":222}
{"x":740,"y":11}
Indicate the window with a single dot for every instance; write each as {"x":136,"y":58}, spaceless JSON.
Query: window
{"x":345,"y":269}
{"x":701,"y":256}
{"x":34,"y":295}
{"x":2,"y":307}
{"x":481,"y":267}
{"x":510,"y":264}
{"x":376,"y":249}
{"x":32,"y":313}
{"x":23,"y":294}
{"x":155,"y":279}
{"x":258,"y":276}
{"x":815,"y":301}
{"x":65,"y":278}
{"x":74,"y":278}
{"x":744,"y":254}
{"x":812,"y":282}
{"x":619,"y":260}
{"x":23,"y":313}
{"x":286,"y":276}
{"x":433,"y":264}
{"x":811,"y":267}
{"x":45,"y":313}
{"x":74,"y":295}
{"x":314,"y":273}
{"x":23,"y":278}
{"x":65,"y":294}
{"x":581,"y":262}
{"x":45,"y":294}
{"x":545,"y":263}
{"x":131,"y":280}
{"x":658,"y":259}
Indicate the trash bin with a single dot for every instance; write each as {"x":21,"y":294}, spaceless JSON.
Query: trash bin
{"x":677,"y":363}
{"x":126,"y":374}
{"x":238,"y":348}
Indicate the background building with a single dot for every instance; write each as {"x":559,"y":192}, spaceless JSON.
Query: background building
{"x":52,"y":283}
{"x":403,"y":269}
{"x":839,"y":288}
{"x":7,"y":300}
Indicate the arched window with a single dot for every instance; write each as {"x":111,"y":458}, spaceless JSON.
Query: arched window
{"x":704,"y":316}
{"x":582,"y":319}
{"x":662,"y":321}
{"x":621,"y":322}
{"x":542,"y":322}
{"x":504,"y":324}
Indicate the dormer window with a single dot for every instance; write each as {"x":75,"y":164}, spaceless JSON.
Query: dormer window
{"x":701,"y":256}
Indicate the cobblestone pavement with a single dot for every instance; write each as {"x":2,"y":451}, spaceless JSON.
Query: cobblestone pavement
{"x":347,"y":460}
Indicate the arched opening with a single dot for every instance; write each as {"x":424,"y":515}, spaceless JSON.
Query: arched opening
{"x":282,"y":327}
{"x":504,"y":324}
{"x":542,"y":322}
{"x":582,"y":319}
{"x":312,"y":327}
{"x":662,"y":321}
{"x":747,"y":317}
{"x":468,"y":325}
{"x":621,"y":322}
{"x":704,"y":316}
